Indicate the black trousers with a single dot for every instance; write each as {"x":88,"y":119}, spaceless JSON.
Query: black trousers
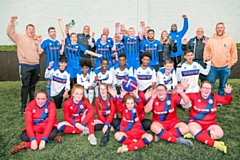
{"x":52,"y":135}
{"x":177,"y":60}
{"x":58,"y":99}
{"x":29,"y":75}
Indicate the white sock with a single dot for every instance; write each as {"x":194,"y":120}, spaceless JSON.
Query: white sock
{"x":90,"y":95}
{"x":96,"y":91}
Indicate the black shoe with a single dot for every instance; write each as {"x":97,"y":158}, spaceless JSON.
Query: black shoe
{"x":22,"y":110}
{"x":104,"y":140}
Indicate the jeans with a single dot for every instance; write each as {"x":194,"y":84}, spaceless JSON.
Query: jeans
{"x":223,"y":73}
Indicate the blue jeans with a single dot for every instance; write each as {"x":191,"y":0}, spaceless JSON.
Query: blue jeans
{"x":223,"y":73}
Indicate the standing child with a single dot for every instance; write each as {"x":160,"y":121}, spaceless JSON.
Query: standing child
{"x":84,"y":78}
{"x":60,"y":81}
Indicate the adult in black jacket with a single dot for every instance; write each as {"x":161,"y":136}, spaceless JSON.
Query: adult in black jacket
{"x":197,"y":44}
{"x":167,"y":46}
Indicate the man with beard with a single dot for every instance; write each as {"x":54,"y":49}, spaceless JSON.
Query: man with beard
{"x":28,"y":50}
{"x":221,"y":49}
{"x":176,"y":36}
{"x":154,"y":47}
{"x":53,"y":51}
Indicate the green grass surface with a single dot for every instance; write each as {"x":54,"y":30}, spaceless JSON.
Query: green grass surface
{"x":77,"y":147}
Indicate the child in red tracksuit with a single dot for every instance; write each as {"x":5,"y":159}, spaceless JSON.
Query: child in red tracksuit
{"x":131,"y":133}
{"x":41,"y":123}
{"x":78,"y":115}
{"x":106,"y":113}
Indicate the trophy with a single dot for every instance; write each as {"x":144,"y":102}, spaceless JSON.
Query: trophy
{"x":70,"y":24}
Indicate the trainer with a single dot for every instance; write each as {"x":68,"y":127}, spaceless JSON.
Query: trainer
{"x":221,"y":49}
{"x":28,"y":45}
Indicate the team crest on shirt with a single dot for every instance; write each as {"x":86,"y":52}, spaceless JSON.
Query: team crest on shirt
{"x":109,"y":40}
{"x":156,"y":103}
{"x":177,"y":35}
{"x":64,"y":76}
{"x":194,"y":66}
{"x":46,"y":110}
{"x":185,"y":67}
{"x":199,"y":100}
{"x":50,"y":44}
{"x":71,"y":107}
{"x":117,"y":72}
{"x":34,"y":111}
{"x":155,"y":44}
{"x":121,"y":43}
{"x":139,"y":72}
{"x":57,"y":74}
{"x":168,"y":102}
{"x":210,"y":101}
{"x":135,"y":38}
{"x":76,"y":47}
{"x":148,"y":72}
{"x":108,"y":46}
{"x":81,"y":106}
{"x":146,"y":45}
{"x":134,"y":110}
{"x":125,"y":73}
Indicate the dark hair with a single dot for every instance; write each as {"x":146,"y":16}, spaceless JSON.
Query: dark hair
{"x":51,"y":28}
{"x":151,"y":30}
{"x":122,"y":55}
{"x":162,"y":86}
{"x":41,"y":90}
{"x":104,"y":59}
{"x":63,"y":59}
{"x":146,"y":54}
{"x":219,"y":23}
{"x":187,"y":50}
{"x":30,"y":25}
{"x":85,"y":62}
{"x":103,"y":35}
{"x":73,"y":34}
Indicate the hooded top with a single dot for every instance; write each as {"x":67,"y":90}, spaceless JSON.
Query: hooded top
{"x":177,"y":36}
{"x":221,"y":50}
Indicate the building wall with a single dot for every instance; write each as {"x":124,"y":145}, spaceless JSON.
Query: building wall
{"x":157,"y":14}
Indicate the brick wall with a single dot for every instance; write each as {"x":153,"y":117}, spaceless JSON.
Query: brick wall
{"x":158,"y":14}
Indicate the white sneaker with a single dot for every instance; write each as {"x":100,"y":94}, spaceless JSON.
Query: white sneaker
{"x":92,"y":139}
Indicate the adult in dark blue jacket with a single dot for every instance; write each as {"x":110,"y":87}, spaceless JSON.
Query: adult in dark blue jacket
{"x":176,"y":36}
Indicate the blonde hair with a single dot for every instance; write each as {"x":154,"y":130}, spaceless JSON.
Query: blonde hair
{"x":168,"y":38}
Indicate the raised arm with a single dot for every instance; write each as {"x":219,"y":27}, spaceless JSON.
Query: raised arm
{"x":185,"y":25}
{"x":63,"y":44}
{"x":90,"y":41}
{"x":40,"y":50}
{"x":143,"y":29}
{"x":149,"y":105}
{"x":117,"y":24}
{"x":62,"y":28}
{"x":11,"y":29}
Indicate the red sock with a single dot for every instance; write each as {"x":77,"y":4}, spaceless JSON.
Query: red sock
{"x":70,"y":129}
{"x":175,"y":132}
{"x":38,"y":138}
{"x":136,"y":145}
{"x":28,"y":145}
{"x":167,"y":136}
{"x":203,"y":137}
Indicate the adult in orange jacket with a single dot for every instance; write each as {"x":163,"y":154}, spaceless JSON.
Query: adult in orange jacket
{"x":221,"y":49}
